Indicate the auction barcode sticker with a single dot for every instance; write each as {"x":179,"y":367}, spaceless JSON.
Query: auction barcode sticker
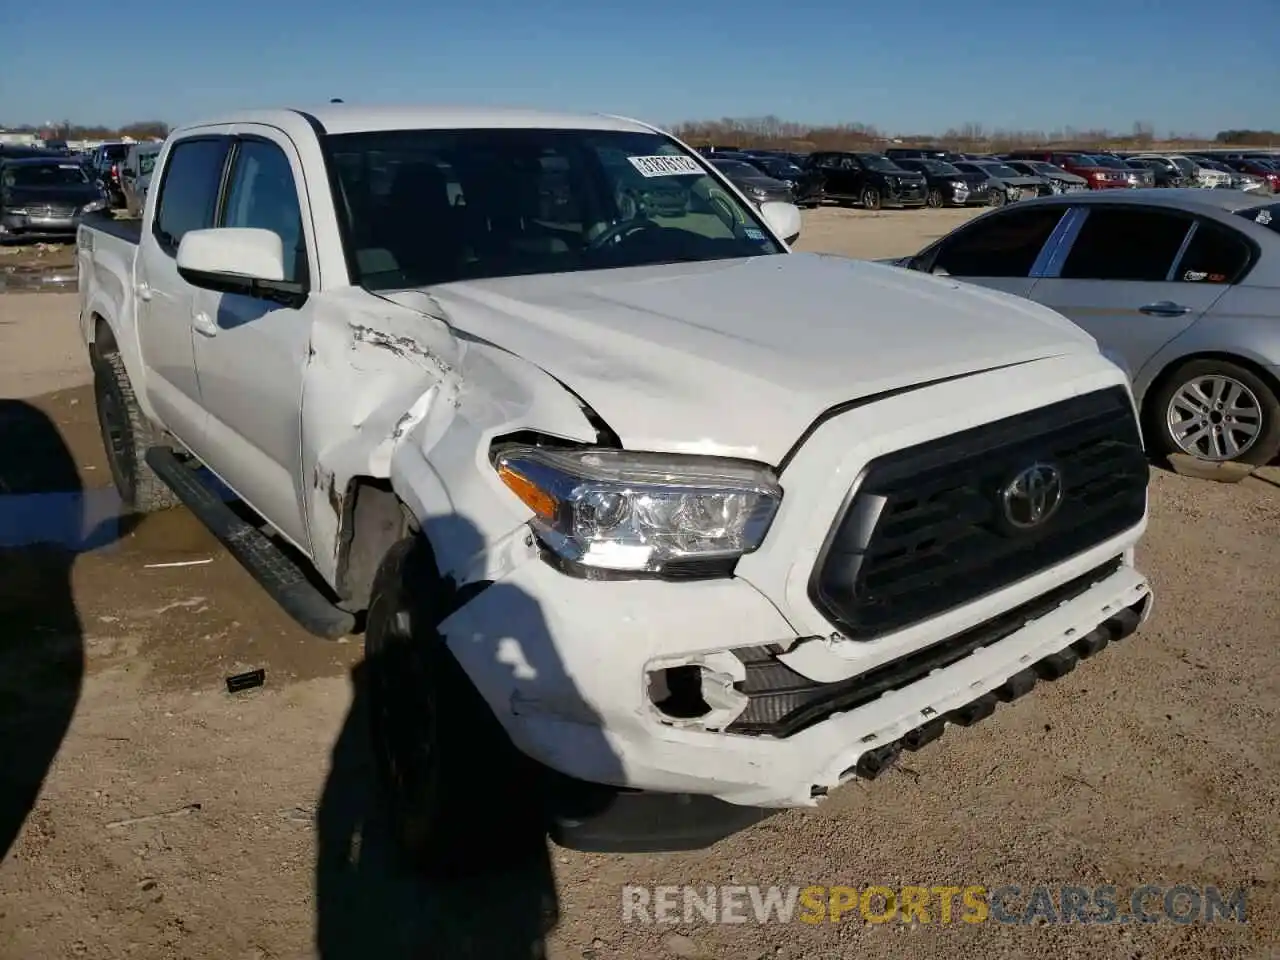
{"x":675,"y":166}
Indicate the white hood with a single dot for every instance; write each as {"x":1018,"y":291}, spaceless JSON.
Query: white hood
{"x":739,"y":357}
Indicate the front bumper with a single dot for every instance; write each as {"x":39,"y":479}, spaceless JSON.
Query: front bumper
{"x":23,"y":227}
{"x":904,"y":195}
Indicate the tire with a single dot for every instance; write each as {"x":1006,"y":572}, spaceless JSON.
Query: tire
{"x":126,"y":436}
{"x":870,"y":198}
{"x":457,"y":792}
{"x":1252,"y":438}
{"x":934,"y":199}
{"x":998,"y":198}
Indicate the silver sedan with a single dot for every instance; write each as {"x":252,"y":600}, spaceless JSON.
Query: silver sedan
{"x":1180,"y":286}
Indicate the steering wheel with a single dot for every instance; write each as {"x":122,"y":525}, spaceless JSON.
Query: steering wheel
{"x":620,"y":230}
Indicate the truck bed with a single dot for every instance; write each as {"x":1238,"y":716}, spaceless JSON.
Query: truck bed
{"x":130,"y":230}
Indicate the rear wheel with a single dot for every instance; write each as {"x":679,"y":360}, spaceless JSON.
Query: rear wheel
{"x":871,"y":198}
{"x":126,"y":436}
{"x":1217,"y":411}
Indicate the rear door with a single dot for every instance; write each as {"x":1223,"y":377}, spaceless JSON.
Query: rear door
{"x":1135,"y":277}
{"x":1003,"y":251}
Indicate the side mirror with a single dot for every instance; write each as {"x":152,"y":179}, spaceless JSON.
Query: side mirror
{"x":244,"y":260}
{"x":783,"y":219}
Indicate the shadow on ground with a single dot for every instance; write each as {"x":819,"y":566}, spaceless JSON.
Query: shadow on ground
{"x":43,"y":521}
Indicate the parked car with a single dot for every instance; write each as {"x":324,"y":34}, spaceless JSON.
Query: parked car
{"x":758,"y":186}
{"x":1179,"y":284}
{"x":1266,"y":170}
{"x":805,"y":185}
{"x":1137,"y":177}
{"x":1099,"y":176}
{"x":1060,"y":181}
{"x":106,"y":160}
{"x":948,"y":185}
{"x":44,"y":198}
{"x":135,"y":175}
{"x":1206,"y":176}
{"x":1013,"y":184}
{"x":921,"y":153}
{"x":653,"y":529}
{"x":1164,"y":171}
{"x":871,"y":179}
{"x":1237,"y":179}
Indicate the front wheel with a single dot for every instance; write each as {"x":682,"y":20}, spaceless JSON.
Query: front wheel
{"x":871,"y":198}
{"x":1217,"y":411}
{"x":454,"y":783}
{"x":935,"y":198}
{"x":998,"y":199}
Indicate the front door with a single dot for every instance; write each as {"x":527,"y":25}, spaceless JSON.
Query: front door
{"x":998,"y":251}
{"x":251,"y":353}
{"x":1137,"y":277}
{"x":188,"y":197}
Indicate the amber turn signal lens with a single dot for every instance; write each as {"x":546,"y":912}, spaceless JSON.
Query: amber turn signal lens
{"x":536,"y":499}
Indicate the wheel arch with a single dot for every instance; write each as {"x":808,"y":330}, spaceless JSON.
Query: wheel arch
{"x":1161,"y":378}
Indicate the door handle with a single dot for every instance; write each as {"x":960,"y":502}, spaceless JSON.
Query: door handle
{"x":1165,"y":308}
{"x":203,"y":324}
{"x":142,"y":289}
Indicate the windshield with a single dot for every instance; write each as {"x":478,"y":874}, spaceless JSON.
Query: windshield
{"x":420,"y":207}
{"x":1001,"y":170}
{"x":873,"y":161}
{"x":1185,"y":165}
{"x":782,"y":169}
{"x":44,"y":175}
{"x":1042,"y":167}
{"x":940,"y":167}
{"x":735,"y":168}
{"x":116,"y":151}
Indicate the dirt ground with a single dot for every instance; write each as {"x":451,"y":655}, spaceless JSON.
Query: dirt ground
{"x":177,"y":820}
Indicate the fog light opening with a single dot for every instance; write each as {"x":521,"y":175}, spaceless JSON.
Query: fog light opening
{"x":676,"y":692}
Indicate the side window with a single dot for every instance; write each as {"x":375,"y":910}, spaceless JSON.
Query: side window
{"x":1126,"y":244}
{"x":189,"y":191}
{"x":1216,"y":254}
{"x":261,"y":194}
{"x":1005,"y":245}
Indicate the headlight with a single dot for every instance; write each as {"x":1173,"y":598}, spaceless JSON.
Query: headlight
{"x":93,"y":206}
{"x":619,"y":510}
{"x":959,"y":185}
{"x":758,"y":191}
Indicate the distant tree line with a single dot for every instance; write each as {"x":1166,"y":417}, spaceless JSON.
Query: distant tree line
{"x":773,"y":132}
{"x":66,"y":130}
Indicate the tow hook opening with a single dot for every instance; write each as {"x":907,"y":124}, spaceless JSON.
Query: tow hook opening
{"x":700,"y":692}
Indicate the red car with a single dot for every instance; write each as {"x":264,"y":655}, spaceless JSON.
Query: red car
{"x":1099,"y":176}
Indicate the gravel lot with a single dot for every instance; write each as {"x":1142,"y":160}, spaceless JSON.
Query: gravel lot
{"x":178,"y":820}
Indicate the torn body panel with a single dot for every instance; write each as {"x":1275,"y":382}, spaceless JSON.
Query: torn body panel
{"x":389,"y":392}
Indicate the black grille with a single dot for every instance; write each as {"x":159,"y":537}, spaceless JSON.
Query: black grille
{"x":926,"y":531}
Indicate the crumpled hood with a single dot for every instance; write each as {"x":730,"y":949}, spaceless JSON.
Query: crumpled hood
{"x":739,"y":357}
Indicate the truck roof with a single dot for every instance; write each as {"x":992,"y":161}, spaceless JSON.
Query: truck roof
{"x":361,"y":118}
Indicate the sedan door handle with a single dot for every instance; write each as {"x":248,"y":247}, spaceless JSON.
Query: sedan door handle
{"x":1165,"y":308}
{"x":204,"y":325}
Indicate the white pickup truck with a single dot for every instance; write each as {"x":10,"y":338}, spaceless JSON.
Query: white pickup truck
{"x":605,"y":471}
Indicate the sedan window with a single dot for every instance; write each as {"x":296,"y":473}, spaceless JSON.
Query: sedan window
{"x":1004,"y":245}
{"x":1215,"y":254}
{"x":1126,"y":244}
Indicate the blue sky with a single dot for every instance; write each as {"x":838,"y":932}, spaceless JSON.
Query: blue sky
{"x":1186,"y":65}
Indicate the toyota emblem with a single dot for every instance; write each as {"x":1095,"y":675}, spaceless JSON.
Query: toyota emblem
{"x":1033,"y":496}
